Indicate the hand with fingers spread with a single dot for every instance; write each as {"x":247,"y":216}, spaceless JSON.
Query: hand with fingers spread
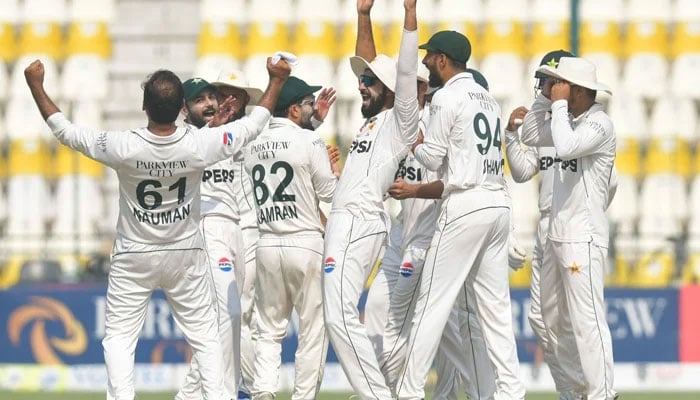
{"x":516,"y":118}
{"x":324,"y":101}
{"x":224,"y":114}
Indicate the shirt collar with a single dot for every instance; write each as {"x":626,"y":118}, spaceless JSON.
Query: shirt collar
{"x":278,"y":122}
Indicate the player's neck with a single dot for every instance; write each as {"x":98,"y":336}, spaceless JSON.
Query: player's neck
{"x":159,"y":129}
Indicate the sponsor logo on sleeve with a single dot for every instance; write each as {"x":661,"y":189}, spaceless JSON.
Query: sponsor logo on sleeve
{"x":406,"y":270}
{"x":329,"y":266}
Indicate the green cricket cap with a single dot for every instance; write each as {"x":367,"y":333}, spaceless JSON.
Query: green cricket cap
{"x":452,"y":43}
{"x":294,"y":90}
{"x":194,"y":86}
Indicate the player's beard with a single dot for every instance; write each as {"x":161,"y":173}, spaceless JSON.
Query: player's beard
{"x":199,"y":120}
{"x":306,"y":118}
{"x":434,"y":79}
{"x":376,"y":103}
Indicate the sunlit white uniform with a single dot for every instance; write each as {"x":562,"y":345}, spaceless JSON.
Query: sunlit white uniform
{"x":357,"y":224}
{"x":158,"y":243}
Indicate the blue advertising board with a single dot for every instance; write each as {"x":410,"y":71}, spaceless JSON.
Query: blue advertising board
{"x":65,"y":325}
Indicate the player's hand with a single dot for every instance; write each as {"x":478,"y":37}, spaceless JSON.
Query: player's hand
{"x":364,"y":6}
{"x":225,"y":112}
{"x":560,"y":90}
{"x":34,"y":73}
{"x":516,"y":254}
{"x":516,"y":118}
{"x":324,"y":101}
{"x":400,"y":190}
{"x":547,"y":88}
{"x":334,"y":157}
{"x":333,"y":153}
{"x":280,"y":70}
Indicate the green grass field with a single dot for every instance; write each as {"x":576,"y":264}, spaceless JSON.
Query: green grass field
{"x":323,"y":396}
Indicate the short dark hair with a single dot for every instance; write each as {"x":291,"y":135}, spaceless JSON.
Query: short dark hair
{"x":163,"y":96}
{"x":457,"y":64}
{"x":281,"y":113}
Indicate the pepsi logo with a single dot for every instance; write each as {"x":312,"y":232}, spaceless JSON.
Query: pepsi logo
{"x":225,"y":264}
{"x":329,"y":265}
{"x":406,"y":269}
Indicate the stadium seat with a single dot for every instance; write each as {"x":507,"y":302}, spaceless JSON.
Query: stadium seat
{"x":668,"y":155}
{"x":691,"y":271}
{"x":27,"y":194}
{"x":40,"y":40}
{"x":683,"y":123}
{"x":664,"y":208}
{"x":463,"y":16}
{"x":394,"y":26}
{"x":91,"y":38}
{"x":209,"y":67}
{"x":600,"y":37}
{"x":223,"y":11}
{"x":624,"y":210}
{"x":314,"y":41}
{"x":630,"y":116}
{"x":91,"y":11}
{"x":221,"y":39}
{"x":44,"y":11}
{"x":694,"y":199}
{"x":618,"y":275}
{"x":88,"y":113}
{"x":8,"y":42}
{"x":79,"y":69}
{"x":685,"y":81}
{"x":77,"y":186}
{"x":654,"y":270}
{"x":18,"y":84}
{"x":521,"y":278}
{"x":686,"y":32}
{"x":267,"y":33}
{"x":4,"y":78}
{"x":23,"y":120}
{"x":549,"y":30}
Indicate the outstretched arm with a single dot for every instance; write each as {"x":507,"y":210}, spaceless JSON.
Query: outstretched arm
{"x":34,"y":74}
{"x":364,"y":47}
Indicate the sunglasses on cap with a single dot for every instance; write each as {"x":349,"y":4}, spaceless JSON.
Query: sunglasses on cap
{"x":368,"y":80}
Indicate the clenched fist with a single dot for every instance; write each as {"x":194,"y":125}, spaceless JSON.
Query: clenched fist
{"x":280,"y":70}
{"x":34,"y":74}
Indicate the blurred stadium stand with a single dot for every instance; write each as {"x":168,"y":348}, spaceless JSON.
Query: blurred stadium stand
{"x":58,"y":206}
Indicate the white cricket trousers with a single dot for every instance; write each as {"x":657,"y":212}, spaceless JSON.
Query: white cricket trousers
{"x":248,"y":317}
{"x":288,"y":277}
{"x":575,"y":273}
{"x":181,"y":270}
{"x":468,"y":251}
{"x":224,"y":247}
{"x":379,"y":294}
{"x":569,"y":383}
{"x":352,"y":246}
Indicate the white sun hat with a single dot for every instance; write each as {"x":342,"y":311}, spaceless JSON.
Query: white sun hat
{"x":237,"y":79}
{"x":576,"y":70}
{"x":384,"y":67}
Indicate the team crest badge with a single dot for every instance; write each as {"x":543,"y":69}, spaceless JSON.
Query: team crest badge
{"x":225,"y":264}
{"x":406,"y":270}
{"x":329,"y":266}
{"x":228,"y":138}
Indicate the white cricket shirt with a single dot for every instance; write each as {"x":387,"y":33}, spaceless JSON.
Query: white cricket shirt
{"x":383,"y":141}
{"x":464,"y":134}
{"x":159,"y":176}
{"x":290,"y":171}
{"x":526,"y":163}
{"x":582,"y":187}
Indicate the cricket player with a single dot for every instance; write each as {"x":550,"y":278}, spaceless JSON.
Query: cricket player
{"x":453,"y":363}
{"x":221,"y":221}
{"x":573,"y":266}
{"x":291,"y":172}
{"x":468,"y":251}
{"x":524,"y":165}
{"x":158,"y":242}
{"x":357,"y":224}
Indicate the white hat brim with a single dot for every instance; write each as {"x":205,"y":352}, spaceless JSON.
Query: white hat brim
{"x":359,"y":65}
{"x":554,"y":73}
{"x":255,"y":94}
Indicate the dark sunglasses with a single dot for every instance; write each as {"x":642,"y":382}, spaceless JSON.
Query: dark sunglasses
{"x":368,"y":80}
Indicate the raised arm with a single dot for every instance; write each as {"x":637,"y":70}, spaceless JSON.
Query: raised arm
{"x":406,"y":94}
{"x":364,"y":46}
{"x":536,"y":131}
{"x":278,"y":76}
{"x":524,"y":164}
{"x":432,"y":150}
{"x":34,"y":74}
